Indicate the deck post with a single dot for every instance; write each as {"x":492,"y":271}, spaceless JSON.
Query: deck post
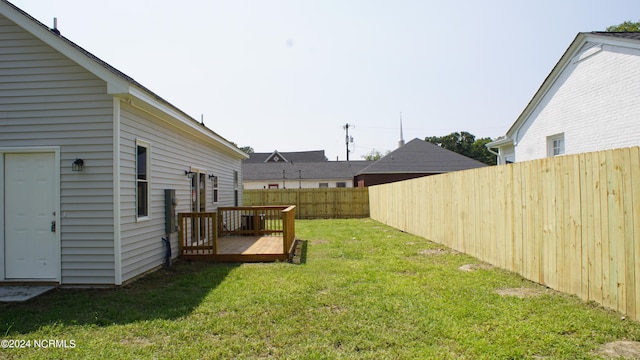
{"x":256,"y":223}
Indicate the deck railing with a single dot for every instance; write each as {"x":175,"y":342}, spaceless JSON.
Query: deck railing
{"x":289,"y":228}
{"x":198,"y":233}
{"x":251,"y":220}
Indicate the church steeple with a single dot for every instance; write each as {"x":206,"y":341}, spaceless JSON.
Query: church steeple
{"x":401,"y":142}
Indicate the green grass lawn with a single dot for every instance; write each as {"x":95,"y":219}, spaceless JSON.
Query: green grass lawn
{"x":363,"y":290}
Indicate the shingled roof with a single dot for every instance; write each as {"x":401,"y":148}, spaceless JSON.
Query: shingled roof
{"x":294,"y":157}
{"x":420,"y":157}
{"x":619,"y":34}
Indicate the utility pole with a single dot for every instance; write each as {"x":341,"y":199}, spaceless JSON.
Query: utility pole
{"x":401,"y":142}
{"x":346,"y":138}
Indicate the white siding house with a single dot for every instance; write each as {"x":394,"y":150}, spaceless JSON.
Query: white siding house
{"x":300,"y":175}
{"x":101,"y":222}
{"x":590,"y":101}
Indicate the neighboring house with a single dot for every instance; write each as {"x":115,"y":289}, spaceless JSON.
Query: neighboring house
{"x":300,"y":175}
{"x":297,"y":170}
{"x":86,"y":154}
{"x":588,"y":102}
{"x":288,"y":157}
{"x":417,"y":158}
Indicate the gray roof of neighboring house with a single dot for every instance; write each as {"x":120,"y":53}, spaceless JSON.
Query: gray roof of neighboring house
{"x":305,"y":171}
{"x":297,"y":156}
{"x":421,"y":157}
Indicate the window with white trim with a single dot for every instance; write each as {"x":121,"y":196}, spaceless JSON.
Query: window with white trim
{"x":236,"y":185}
{"x":142,"y":179}
{"x":555,"y":145}
{"x":214,"y":185}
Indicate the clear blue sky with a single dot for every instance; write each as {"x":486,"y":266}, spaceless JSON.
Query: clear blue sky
{"x":288,"y":74}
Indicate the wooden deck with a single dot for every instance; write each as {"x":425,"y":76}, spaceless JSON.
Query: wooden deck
{"x":241,"y":249}
{"x":240,"y":234}
{"x":250,"y":245}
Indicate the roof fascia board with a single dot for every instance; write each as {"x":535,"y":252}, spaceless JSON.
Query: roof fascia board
{"x":614,"y":41}
{"x":500,"y":142}
{"x":186,"y":124}
{"x":191,"y":124}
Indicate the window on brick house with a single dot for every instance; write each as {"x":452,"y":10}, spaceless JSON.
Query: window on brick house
{"x":555,"y":145}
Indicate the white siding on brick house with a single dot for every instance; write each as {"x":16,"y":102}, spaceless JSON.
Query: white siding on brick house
{"x":172,"y":151}
{"x":48,"y":100}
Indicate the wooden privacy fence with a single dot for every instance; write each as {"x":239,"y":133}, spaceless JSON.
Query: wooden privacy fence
{"x":571,"y":223}
{"x":324,"y":203}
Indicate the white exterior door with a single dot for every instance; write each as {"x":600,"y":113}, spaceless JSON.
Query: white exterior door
{"x":30,"y":242}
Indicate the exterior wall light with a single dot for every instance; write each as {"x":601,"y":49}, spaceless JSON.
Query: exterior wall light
{"x":77,"y":165}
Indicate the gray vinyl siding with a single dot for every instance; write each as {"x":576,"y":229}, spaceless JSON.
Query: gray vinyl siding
{"x":48,"y":100}
{"x":172,"y":151}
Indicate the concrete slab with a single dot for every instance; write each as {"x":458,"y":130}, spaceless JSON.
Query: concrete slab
{"x":19,"y":293}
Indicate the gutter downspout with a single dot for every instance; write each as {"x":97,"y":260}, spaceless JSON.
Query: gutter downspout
{"x":497,"y":154}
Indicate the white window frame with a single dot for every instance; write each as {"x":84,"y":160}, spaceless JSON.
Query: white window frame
{"x":215,"y":186}
{"x":556,"y":145}
{"x":341,"y":184}
{"x":323,"y":185}
{"x":147,"y":146}
{"x":236,"y":188}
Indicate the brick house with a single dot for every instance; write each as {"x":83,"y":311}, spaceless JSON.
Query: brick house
{"x":588,"y":102}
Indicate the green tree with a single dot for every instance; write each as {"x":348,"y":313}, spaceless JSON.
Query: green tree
{"x":466,"y":144}
{"x":627,"y":26}
{"x":481,"y":153}
{"x":374,"y":155}
{"x":247,"y":149}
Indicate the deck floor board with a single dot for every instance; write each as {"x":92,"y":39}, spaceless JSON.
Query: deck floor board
{"x":250,"y":245}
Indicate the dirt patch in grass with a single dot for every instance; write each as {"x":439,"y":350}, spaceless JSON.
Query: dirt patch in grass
{"x":137,"y":341}
{"x":520,"y":292}
{"x":474,"y":267}
{"x":318,"y":242}
{"x":620,"y":349}
{"x":436,"y":251}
